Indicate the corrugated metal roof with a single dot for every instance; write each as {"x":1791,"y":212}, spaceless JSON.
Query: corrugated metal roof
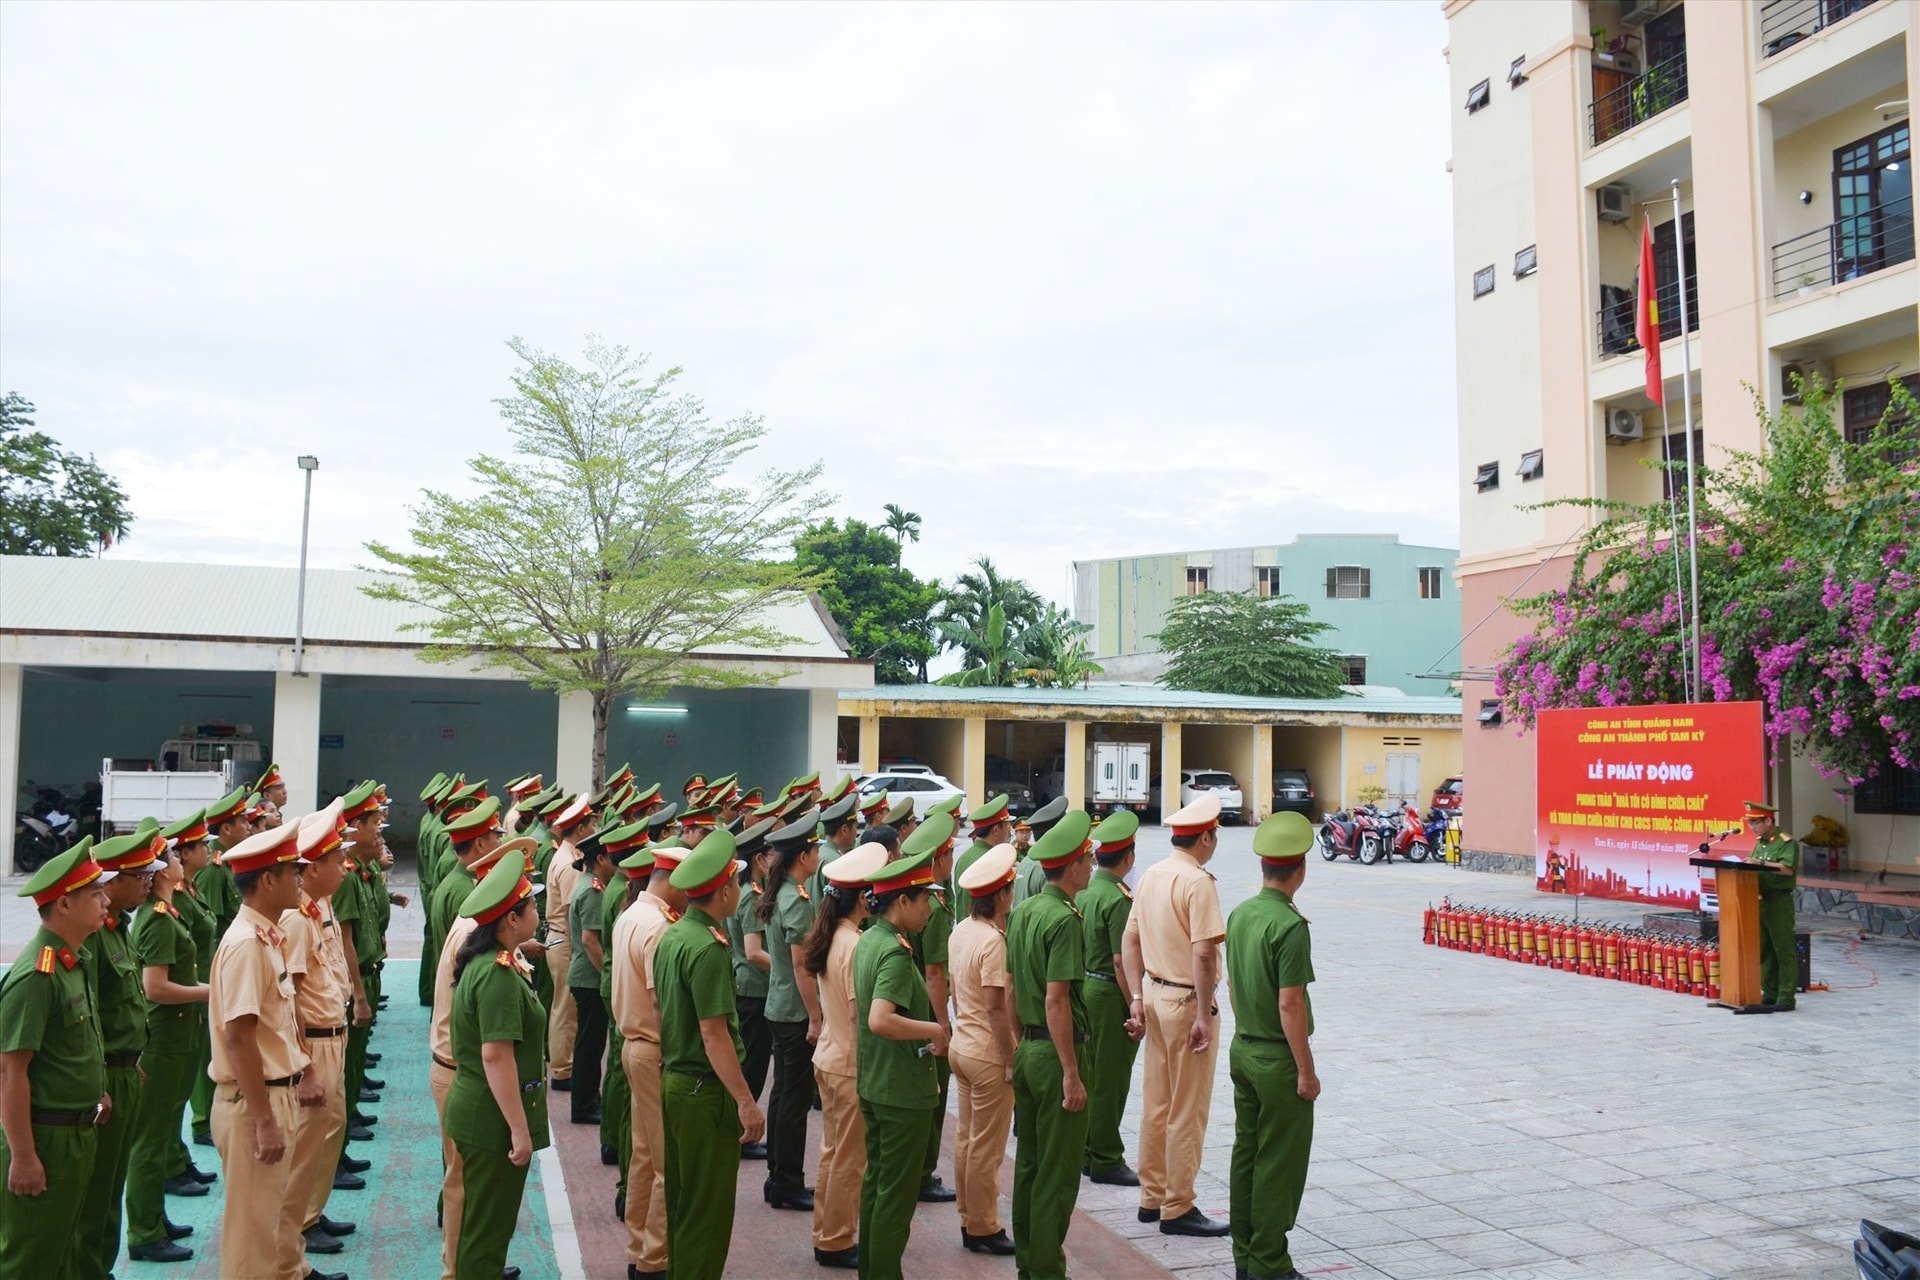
{"x":257,"y":602}
{"x":1375,"y":699}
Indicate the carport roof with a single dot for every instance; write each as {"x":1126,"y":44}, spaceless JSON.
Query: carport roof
{"x":1134,"y":699}
{"x":69,"y":596}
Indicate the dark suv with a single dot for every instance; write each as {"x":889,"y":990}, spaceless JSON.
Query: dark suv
{"x":1292,"y":792}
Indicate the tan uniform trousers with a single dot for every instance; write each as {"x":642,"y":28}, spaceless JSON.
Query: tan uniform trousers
{"x":563,"y":1020}
{"x":255,"y":1243}
{"x":843,"y":1162}
{"x":980,"y":1140}
{"x":453,"y":1187}
{"x":323,"y":1129}
{"x":647,"y":1171}
{"x":1177,"y":1095}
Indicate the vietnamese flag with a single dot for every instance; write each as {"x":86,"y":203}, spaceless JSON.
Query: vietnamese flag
{"x":1646,"y":321}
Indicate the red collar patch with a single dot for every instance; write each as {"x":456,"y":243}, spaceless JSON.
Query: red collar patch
{"x":719,"y":935}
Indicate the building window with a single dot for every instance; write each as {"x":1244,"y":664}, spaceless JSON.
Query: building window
{"x":1349,"y":582}
{"x":1356,"y":669}
{"x":1489,"y":712}
{"x":1526,"y":262}
{"x":1430,"y":583}
{"x":1483,"y":282}
{"x":1864,"y":407}
{"x":1532,"y":464}
{"x":1487,"y":477}
{"x":1266,"y":581}
{"x":1893,"y":790}
{"x":1479,"y":96}
{"x":1197,"y":579}
{"x":1673,"y":449}
{"x":1517,"y":73}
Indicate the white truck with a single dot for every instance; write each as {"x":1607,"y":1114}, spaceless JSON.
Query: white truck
{"x":195,"y":770}
{"x":1119,"y":775}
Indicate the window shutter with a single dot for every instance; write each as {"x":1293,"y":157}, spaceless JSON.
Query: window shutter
{"x":1332,"y":583}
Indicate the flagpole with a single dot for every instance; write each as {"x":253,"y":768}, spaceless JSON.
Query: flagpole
{"x":1673,"y":527}
{"x":1686,"y":425}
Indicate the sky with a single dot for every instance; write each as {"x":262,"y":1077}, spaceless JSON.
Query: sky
{"x":1069,"y":281}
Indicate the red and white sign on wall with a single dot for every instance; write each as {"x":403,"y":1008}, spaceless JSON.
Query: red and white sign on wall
{"x":1628,"y":793}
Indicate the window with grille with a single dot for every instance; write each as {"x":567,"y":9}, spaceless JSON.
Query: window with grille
{"x":1349,"y":582}
{"x":1356,"y":669}
{"x":1892,"y":790}
{"x":1863,"y":407}
{"x":1266,"y":581}
{"x":1430,"y":583}
{"x":1197,"y":579}
{"x":1673,"y":449}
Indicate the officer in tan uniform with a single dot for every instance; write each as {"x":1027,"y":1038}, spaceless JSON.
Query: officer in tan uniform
{"x":572,"y":824}
{"x":1171,"y":951}
{"x":258,"y":1067}
{"x":636,"y":934}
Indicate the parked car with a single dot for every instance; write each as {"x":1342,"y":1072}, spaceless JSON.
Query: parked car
{"x":1019,"y":795}
{"x":926,"y":788}
{"x":1292,"y":792}
{"x":1447,"y":795}
{"x":1195,"y":783}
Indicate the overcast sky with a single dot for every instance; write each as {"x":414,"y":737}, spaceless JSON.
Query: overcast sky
{"x":1070,"y":281}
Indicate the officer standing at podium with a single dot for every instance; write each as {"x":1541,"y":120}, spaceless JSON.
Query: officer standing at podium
{"x":1779,"y":966}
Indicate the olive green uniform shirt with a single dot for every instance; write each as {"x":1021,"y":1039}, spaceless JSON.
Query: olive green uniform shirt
{"x":1046,"y":942}
{"x":693,"y":981}
{"x":47,"y":1009}
{"x":931,"y":944}
{"x":588,"y":898}
{"x":1783,"y":852}
{"x":1267,"y":951}
{"x":613,"y":899}
{"x":961,"y":898}
{"x":218,"y":894}
{"x":493,"y":1000}
{"x":792,"y":919}
{"x":201,"y":924}
{"x":748,"y":979}
{"x":1104,"y":906}
{"x":161,"y":937}
{"x":117,"y":991}
{"x":893,"y":1073}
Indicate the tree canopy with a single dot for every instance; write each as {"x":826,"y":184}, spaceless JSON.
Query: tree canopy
{"x":884,"y":612}
{"x":613,"y":546}
{"x":962,"y":619}
{"x":53,"y":502}
{"x":1239,"y":643}
{"x":901,"y":523}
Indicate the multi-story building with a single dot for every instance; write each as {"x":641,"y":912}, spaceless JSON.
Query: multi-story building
{"x":1785,"y":125}
{"x":1392,"y":605}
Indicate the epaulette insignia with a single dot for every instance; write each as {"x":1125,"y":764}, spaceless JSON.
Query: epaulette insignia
{"x":804,"y":895}
{"x":904,"y":941}
{"x":1076,"y":912}
{"x":164,"y":907}
{"x":719,"y":935}
{"x":1126,"y":892}
{"x":45,"y":964}
{"x":503,"y":959}
{"x":597,"y":886}
{"x":671,"y":915}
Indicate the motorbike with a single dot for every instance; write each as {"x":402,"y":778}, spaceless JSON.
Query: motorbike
{"x":1882,"y":1253}
{"x":1409,"y":836}
{"x":36,"y":839}
{"x":1342,"y":832}
{"x":1436,"y":829}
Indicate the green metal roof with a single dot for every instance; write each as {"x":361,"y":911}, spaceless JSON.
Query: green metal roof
{"x":1087,"y":703}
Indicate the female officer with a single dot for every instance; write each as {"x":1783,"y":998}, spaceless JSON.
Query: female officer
{"x":176,"y":1019}
{"x":898,"y":1037}
{"x":497,"y":1104}
{"x":793,"y":1008}
{"x":985,"y":1032}
{"x":189,"y":841}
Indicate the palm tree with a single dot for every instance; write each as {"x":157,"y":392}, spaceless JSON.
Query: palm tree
{"x":962,"y":618}
{"x":901,"y":523}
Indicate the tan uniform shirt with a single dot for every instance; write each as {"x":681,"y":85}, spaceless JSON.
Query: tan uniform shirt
{"x":440,"y":1038}
{"x":837,"y":1052}
{"x":1176,"y":905}
{"x":636,"y":935}
{"x":562,"y":879}
{"x":316,"y":959}
{"x":250,"y":976}
{"x":976,"y":960}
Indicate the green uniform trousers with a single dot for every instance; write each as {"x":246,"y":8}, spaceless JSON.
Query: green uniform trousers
{"x":1106,"y":1065}
{"x":156,"y":1132}
{"x":200,"y":1099}
{"x":40,"y":1236}
{"x":896,"y":1139}
{"x":703,"y":1163}
{"x":937,"y":1126}
{"x":493,"y":1186}
{"x":1046,"y":1161}
{"x":99,"y":1246}
{"x":543,"y":986}
{"x":616,"y":1107}
{"x":1272,"y":1138}
{"x":1779,"y":964}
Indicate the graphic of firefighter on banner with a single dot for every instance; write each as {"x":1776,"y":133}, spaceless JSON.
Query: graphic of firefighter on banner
{"x":1627,"y":794}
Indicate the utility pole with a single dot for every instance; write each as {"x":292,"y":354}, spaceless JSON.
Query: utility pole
{"x":309,"y":464}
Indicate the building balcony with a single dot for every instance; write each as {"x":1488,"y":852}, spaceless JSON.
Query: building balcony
{"x":1614,"y":324}
{"x":1785,"y":23}
{"x":1661,"y":87}
{"x":1852,"y":248}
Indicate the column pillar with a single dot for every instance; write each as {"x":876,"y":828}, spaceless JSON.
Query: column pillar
{"x":869,"y":744}
{"x":1169,"y":768}
{"x":1075,"y":765}
{"x":296,"y":737}
{"x":823,"y":733}
{"x":12,"y":680}
{"x":1257,"y":793}
{"x":973,"y":754}
{"x":573,"y":743}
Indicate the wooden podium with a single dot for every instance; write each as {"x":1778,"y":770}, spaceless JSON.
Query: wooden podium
{"x":1737,"y":884}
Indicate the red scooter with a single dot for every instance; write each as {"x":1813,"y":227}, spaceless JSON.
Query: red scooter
{"x":1411,"y":842}
{"x":1355,"y":834}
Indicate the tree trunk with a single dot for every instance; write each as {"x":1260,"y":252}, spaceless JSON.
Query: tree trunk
{"x":602,"y":709}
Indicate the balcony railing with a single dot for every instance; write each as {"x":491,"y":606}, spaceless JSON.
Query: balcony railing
{"x":1785,"y":23}
{"x":1855,"y":246}
{"x":1615,"y":322}
{"x":1660,"y":86}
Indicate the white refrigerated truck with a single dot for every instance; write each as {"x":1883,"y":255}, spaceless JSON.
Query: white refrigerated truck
{"x":194,"y":772}
{"x":1119,"y":776}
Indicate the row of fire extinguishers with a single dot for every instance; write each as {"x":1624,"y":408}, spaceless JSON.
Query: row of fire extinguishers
{"x":1584,"y":947}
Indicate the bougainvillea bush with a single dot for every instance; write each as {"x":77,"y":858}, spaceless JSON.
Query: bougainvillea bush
{"x":1809,"y":595}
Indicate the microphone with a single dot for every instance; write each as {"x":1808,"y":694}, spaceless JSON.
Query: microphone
{"x":1730,"y":831}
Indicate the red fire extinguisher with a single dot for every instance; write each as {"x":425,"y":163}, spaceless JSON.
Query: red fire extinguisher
{"x":1612,"y":953}
{"x":1713,"y":972}
{"x":1584,"y":940}
{"x":1426,"y":926}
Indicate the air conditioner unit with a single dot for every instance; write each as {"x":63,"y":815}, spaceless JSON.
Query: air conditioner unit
{"x":1616,"y":202}
{"x":1623,"y":425}
{"x":1638,"y":13}
{"x":1802,"y":371}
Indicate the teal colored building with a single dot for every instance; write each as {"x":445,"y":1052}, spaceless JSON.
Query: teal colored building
{"x":1393,"y":607}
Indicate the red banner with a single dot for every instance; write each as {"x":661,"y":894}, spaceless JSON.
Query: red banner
{"x":1627,"y":794}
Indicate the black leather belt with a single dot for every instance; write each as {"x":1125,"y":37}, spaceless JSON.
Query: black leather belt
{"x":1045,"y":1033}
{"x":439,"y":1061}
{"x":1103,"y":977}
{"x":325,"y":1033}
{"x":1184,"y":986}
{"x":123,"y":1060}
{"x":286,"y":1081}
{"x":70,"y":1119}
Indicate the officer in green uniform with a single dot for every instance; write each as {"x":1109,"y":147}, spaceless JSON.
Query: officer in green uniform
{"x":357,"y":905}
{"x":935,"y":838}
{"x":1269,"y":964}
{"x":583,"y":975}
{"x":52,"y":1074}
{"x":472,"y":832}
{"x":1032,"y":878}
{"x":1779,"y":964}
{"x":898,"y":1039}
{"x":793,"y":1008}
{"x":426,"y":851}
{"x":226,"y":820}
{"x":1046,"y":960}
{"x":1104,"y":906}
{"x":706,"y":1109}
{"x":616,"y":1094}
{"x":992,"y":824}
{"x":497,"y":1104}
{"x":189,"y":838}
{"x":839,"y":832}
{"x":751,"y":962}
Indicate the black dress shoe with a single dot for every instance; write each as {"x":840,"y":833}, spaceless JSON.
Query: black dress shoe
{"x":559,"y":1086}
{"x":1118,"y":1176}
{"x":365,"y":1118}
{"x":325,"y":1275}
{"x":1149,"y":1215}
{"x":357,"y":1132}
{"x":368,"y":1082}
{"x":333,"y":1228}
{"x":354,"y":1164}
{"x":753,"y":1151}
{"x":608,"y":1155}
{"x":159,"y":1251}
{"x":1193,"y":1223}
{"x":635,"y":1273}
{"x":203,"y":1137}
{"x":999,"y":1242}
{"x":588,"y":1115}
{"x":201,"y":1175}
{"x":937,"y":1192}
{"x":368,"y":1094}
{"x":511,"y":1273}
{"x":619,"y":1206}
{"x":181,"y":1185}
{"x":780,"y":1198}
{"x":319,"y":1241}
{"x":344,"y":1181}
{"x":371,"y":1059}
{"x":847,"y":1259}
{"x":175,"y":1230}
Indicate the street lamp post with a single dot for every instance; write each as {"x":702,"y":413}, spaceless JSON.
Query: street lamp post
{"x":309,"y":464}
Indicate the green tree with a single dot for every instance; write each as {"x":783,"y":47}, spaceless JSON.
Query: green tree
{"x":1236,"y":642}
{"x":901,"y":523}
{"x":998,"y":659}
{"x":882,"y":609}
{"x":962,"y":619}
{"x":611,"y":548}
{"x":1056,"y":648}
{"x":52,"y":502}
